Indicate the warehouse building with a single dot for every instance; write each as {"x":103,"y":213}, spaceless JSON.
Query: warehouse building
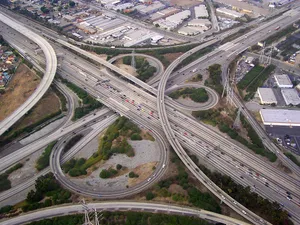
{"x":178,"y":18}
{"x":280,"y":117}
{"x":164,"y":24}
{"x":163,"y":13}
{"x":188,"y":31}
{"x":154,"y":7}
{"x":266,"y":96}
{"x":205,"y":23}
{"x":290,"y":96}
{"x":121,"y":7}
{"x":201,"y":12}
{"x":110,"y":2}
{"x":283,"y":81}
{"x":229,"y":13}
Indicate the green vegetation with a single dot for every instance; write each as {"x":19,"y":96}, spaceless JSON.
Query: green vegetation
{"x":113,"y":141}
{"x":194,"y":56}
{"x":89,"y":103}
{"x":196,"y":94}
{"x":43,"y":160}
{"x":127,"y":218}
{"x":144,"y":70}
{"x":254,"y":79}
{"x":136,"y":137}
{"x":46,"y":187}
{"x":104,"y":174}
{"x":62,"y":98}
{"x":150,"y":196}
{"x":119,"y":166}
{"x":270,"y":211}
{"x":12,"y":133}
{"x":215,"y":78}
{"x":293,"y":158}
{"x":133,"y":175}
{"x":214,"y":117}
{"x":197,"y":78}
{"x":192,"y":196}
{"x":74,"y":167}
{"x":118,"y":133}
{"x":4,"y":181}
{"x":280,"y":34}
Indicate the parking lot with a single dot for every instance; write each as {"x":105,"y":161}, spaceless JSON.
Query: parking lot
{"x":289,"y":137}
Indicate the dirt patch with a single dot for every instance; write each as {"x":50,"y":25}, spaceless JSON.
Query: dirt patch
{"x":146,"y":136}
{"x":186,"y":3}
{"x":22,"y":85}
{"x":102,"y":56}
{"x":41,"y":109}
{"x":177,"y":189}
{"x":144,"y":171}
{"x":172,"y":56}
{"x":127,"y":68}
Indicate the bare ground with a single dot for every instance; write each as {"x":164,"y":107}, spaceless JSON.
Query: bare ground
{"x":22,"y":85}
{"x":186,"y":3}
{"x":47,"y":105}
{"x":172,"y":56}
{"x":144,"y":171}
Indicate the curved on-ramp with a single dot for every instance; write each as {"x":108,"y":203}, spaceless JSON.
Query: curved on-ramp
{"x":212,"y":94}
{"x":51,"y":64}
{"x":128,"y":206}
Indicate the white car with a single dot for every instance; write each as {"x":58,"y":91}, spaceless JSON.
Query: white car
{"x":243,"y":211}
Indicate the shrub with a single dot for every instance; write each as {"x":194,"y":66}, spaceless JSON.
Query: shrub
{"x":150,"y":196}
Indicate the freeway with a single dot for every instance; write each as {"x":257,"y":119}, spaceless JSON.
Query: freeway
{"x":9,"y":197}
{"x":133,"y":95}
{"x":122,"y":206}
{"x":45,"y":82}
{"x":211,"y":102}
{"x":152,"y":60}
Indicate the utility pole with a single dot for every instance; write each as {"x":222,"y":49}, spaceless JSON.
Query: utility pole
{"x":133,"y":59}
{"x":262,"y":54}
{"x":86,"y":213}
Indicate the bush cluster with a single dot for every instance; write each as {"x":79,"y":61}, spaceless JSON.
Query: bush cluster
{"x":196,"y":94}
{"x":43,"y":160}
{"x":4,"y":181}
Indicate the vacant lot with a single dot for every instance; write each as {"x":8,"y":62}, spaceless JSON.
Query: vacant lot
{"x":186,"y":3}
{"x":20,"y":88}
{"x":172,"y":56}
{"x":41,"y":109}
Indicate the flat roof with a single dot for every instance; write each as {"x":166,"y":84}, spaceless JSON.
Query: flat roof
{"x":229,"y":12}
{"x":283,"y":79}
{"x":267,"y":95}
{"x":283,"y":117}
{"x":290,"y":96}
{"x":201,"y":11}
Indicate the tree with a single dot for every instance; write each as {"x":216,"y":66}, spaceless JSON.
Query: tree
{"x":71,"y":3}
{"x":119,"y":166}
{"x":44,"y":9}
{"x":150,"y":196}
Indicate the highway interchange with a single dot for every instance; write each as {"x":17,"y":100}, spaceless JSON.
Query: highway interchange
{"x":183,"y":129}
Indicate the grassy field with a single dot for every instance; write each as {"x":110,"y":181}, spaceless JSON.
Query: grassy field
{"x":19,"y":89}
{"x":250,"y":76}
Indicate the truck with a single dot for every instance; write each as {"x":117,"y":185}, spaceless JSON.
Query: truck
{"x":194,"y":70}
{"x":277,"y":28}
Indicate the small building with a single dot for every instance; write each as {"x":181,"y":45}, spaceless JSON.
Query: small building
{"x":290,"y":96}
{"x":229,"y":13}
{"x":188,"y":31}
{"x":154,"y":7}
{"x":280,"y":117}
{"x":164,"y":24}
{"x":267,"y":96}
{"x":283,"y":81}
{"x":249,"y":60}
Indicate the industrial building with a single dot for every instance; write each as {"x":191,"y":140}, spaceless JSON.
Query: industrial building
{"x":266,"y":96}
{"x":280,"y":117}
{"x":283,"y":81}
{"x":109,"y":2}
{"x":136,"y":37}
{"x":121,"y":7}
{"x":164,"y":24}
{"x":154,"y":7}
{"x":290,"y":96}
{"x":163,"y":13}
{"x":229,"y":13}
{"x":205,"y":23}
{"x":188,"y":31}
{"x":178,"y":18}
{"x":201,"y":12}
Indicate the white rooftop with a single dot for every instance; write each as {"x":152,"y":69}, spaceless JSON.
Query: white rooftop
{"x":201,"y":11}
{"x":290,"y":96}
{"x":267,"y":95}
{"x":229,"y":12}
{"x":282,"y":117}
{"x":179,"y":17}
{"x":283,"y":79}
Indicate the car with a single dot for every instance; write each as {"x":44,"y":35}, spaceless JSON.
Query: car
{"x":164,"y":165}
{"x":222,"y":196}
{"x":288,"y":193}
{"x":149,"y":179}
{"x":243,"y":211}
{"x":234,"y":202}
{"x":289,"y":198}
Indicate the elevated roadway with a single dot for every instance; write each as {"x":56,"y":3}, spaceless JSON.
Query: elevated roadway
{"x":45,"y":82}
{"x":122,"y":206}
